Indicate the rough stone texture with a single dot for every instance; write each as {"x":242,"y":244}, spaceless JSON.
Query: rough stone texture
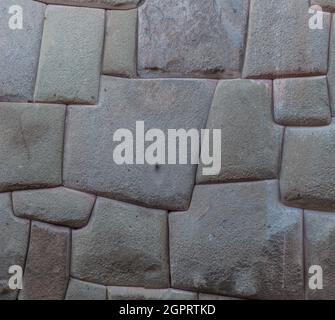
{"x":251,"y":141}
{"x":57,"y":206}
{"x":319,"y":250}
{"x":308,"y":174}
{"x":302,"y":102}
{"x":280,"y":42}
{"x":31,"y":145}
{"x":331,"y":70}
{"x":105,"y":4}
{"x":47,"y":267}
{"x":325,"y":4}
{"x":80,"y":290}
{"x":89,"y":164}
{"x":194,"y":38}
{"x":14,"y":234}
{"x":211,"y":248}
{"x":71,"y":51}
{"x":204,"y":296}
{"x":120,"y":43}
{"x":18,"y":69}
{"x":123,"y":245}
{"x":119,"y":293}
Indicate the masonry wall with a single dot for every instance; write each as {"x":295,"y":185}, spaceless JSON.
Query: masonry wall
{"x":83,"y":227}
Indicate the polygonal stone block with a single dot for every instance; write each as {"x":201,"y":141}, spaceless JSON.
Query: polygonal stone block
{"x":47,"y":268}
{"x":280,"y":42}
{"x":58,"y":206}
{"x":251,"y":141}
{"x":319,"y":251}
{"x":31,"y":145}
{"x":308,"y":175}
{"x":69,"y":66}
{"x":18,"y":69}
{"x":302,"y":102}
{"x":89,"y":164}
{"x":123,"y":245}
{"x":120,"y":43}
{"x":238,"y":240}
{"x":105,"y":4}
{"x":14,"y":237}
{"x":80,"y":290}
{"x":119,"y":293}
{"x":192,"y":38}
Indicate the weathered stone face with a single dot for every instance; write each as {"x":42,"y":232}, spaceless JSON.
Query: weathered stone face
{"x":80,"y":290}
{"x":192,"y":38}
{"x":211,"y":248}
{"x":123,"y":245}
{"x":105,"y":4}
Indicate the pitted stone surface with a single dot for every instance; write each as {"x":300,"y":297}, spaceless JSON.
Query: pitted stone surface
{"x":119,"y":293}
{"x":251,"y":141}
{"x":308,"y":174}
{"x":47,"y":267}
{"x":14,"y":235}
{"x":31,"y":145}
{"x":69,"y":66}
{"x":123,"y":245}
{"x":89,"y":164}
{"x":319,"y":251}
{"x":105,"y":4}
{"x":192,"y":38}
{"x":250,"y":248}
{"x":57,"y":206}
{"x":280,"y":42}
{"x":80,"y":290}
{"x":302,"y":102}
{"x":120,"y":43}
{"x":18,"y":69}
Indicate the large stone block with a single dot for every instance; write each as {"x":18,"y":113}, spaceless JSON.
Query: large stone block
{"x":58,"y":206}
{"x":192,"y":38}
{"x":302,"y":101}
{"x":120,"y":43}
{"x":238,"y":240}
{"x":70,"y":61}
{"x":14,"y":236}
{"x":251,"y":141}
{"x":47,"y":267}
{"x":18,"y":69}
{"x":161,"y":104}
{"x":319,"y":251}
{"x":280,"y":42}
{"x":31,"y":145}
{"x":119,"y":293}
{"x":308,"y":174}
{"x":104,"y":4}
{"x":80,"y":290}
{"x":123,"y":245}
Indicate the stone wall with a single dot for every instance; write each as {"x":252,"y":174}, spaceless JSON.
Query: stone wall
{"x":83,"y":227}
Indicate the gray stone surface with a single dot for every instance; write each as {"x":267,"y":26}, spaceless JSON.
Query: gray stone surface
{"x":47,"y":267}
{"x":105,"y":4}
{"x":192,"y":38}
{"x":280,"y":42}
{"x":120,"y":52}
{"x":80,"y":290}
{"x":89,"y":163}
{"x":18,"y":69}
{"x":120,"y":293}
{"x":331,"y":70}
{"x":14,"y":235}
{"x":59,"y":206}
{"x":204,"y":296}
{"x":251,"y":248}
{"x":308,"y":173}
{"x":70,"y":61}
{"x":302,"y":102}
{"x":31,"y":145}
{"x":251,"y":141}
{"x":123,"y":245}
{"x":319,"y":250}
{"x":325,"y":4}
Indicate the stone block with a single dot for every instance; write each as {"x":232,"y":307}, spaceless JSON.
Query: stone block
{"x":80,"y":290}
{"x":205,"y":296}
{"x":331,"y":70}
{"x":104,"y":4}
{"x":250,"y":248}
